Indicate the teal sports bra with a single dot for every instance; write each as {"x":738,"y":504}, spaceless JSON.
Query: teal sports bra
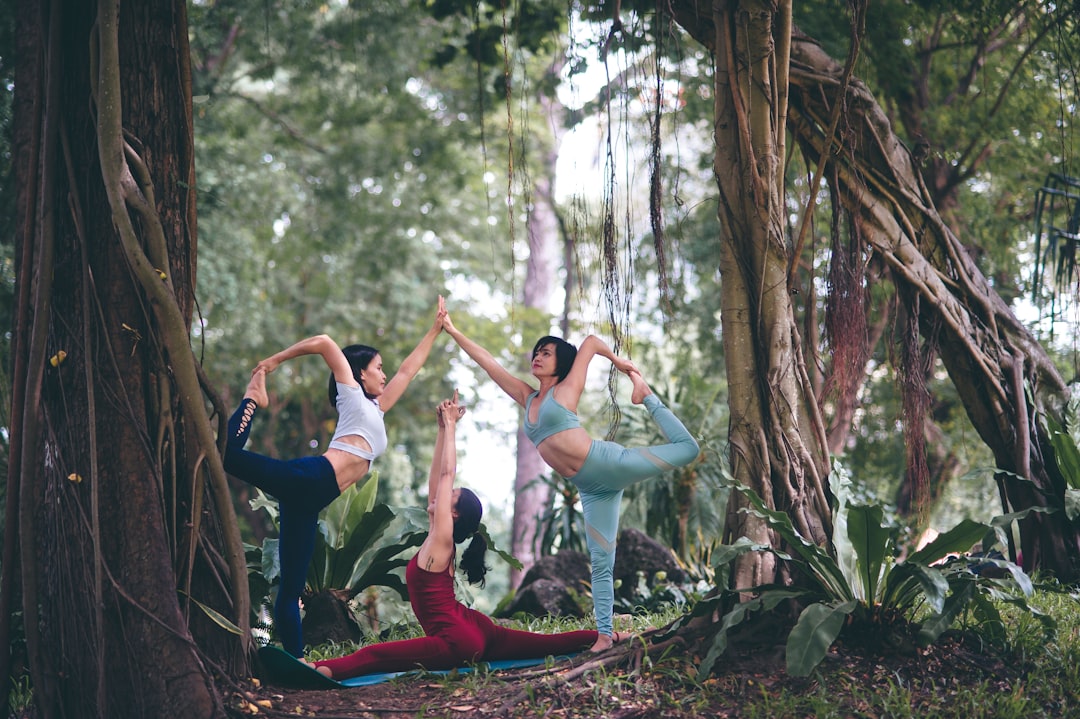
{"x":551,"y":418}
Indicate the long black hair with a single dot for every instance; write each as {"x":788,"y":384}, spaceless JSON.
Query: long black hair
{"x":359,"y":357}
{"x":564,"y":354}
{"x":469,"y":511}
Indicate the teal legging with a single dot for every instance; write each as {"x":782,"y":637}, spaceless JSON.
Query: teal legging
{"x":610,"y":468}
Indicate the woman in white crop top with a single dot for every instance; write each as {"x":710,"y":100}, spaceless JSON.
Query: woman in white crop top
{"x":361,"y":394}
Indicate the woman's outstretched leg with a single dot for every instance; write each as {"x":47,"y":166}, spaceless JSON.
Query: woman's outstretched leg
{"x":682,"y":448}
{"x":503,"y":643}
{"x":432,"y":653}
{"x":608,"y":469}
{"x":296,"y":545}
{"x":302,"y":487}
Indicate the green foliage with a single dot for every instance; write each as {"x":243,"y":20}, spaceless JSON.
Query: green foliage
{"x":358,"y":545}
{"x":1065,"y":438}
{"x":20,"y":701}
{"x":653,"y":596}
{"x":1039,"y":679}
{"x":686,"y":506}
{"x":341,"y":184}
{"x":862,"y":585}
{"x":562,"y":526}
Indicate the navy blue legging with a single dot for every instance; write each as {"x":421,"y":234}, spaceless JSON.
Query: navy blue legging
{"x":302,"y":488}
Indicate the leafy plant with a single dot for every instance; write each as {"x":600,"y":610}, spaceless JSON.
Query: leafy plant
{"x":689,"y":503}
{"x":648,"y":599}
{"x":863,"y":585}
{"x":358,"y":545}
{"x":562,"y":526}
{"x":1065,"y":439}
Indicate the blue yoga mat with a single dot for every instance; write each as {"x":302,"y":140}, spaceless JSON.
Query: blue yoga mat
{"x":284,"y":669}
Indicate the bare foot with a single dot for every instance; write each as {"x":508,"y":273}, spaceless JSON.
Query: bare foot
{"x":325,"y":671}
{"x":256,"y":389}
{"x":606,"y":641}
{"x":641,"y":390}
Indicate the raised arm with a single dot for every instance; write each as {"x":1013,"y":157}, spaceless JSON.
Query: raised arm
{"x":438,"y":548}
{"x":438,"y":456}
{"x":317,"y":345}
{"x":411,"y":365}
{"x":574,"y":383}
{"x":518,"y":389}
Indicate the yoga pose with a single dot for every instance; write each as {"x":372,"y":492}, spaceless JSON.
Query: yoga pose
{"x":455,"y":634}
{"x":600,"y":470}
{"x":303,"y":487}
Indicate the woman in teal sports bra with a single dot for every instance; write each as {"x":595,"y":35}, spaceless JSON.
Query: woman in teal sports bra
{"x":599,"y":469}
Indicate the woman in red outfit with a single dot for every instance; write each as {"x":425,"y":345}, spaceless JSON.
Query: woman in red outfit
{"x":456,"y":635}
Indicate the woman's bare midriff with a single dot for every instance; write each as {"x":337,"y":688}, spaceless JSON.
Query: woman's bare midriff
{"x":566,"y":451}
{"x":348,"y":468}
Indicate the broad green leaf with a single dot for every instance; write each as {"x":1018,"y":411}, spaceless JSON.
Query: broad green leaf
{"x":367,"y":533}
{"x":1019,"y":576}
{"x":823,"y":568}
{"x":1072,"y":503}
{"x":934,"y":585}
{"x":738,"y":614}
{"x":345,"y":513}
{"x":959,"y":539}
{"x":271,"y":566}
{"x":872,"y":544}
{"x":1066,"y":453}
{"x":956,"y":603}
{"x":727,"y":553}
{"x":503,"y":554}
{"x":818,"y":627}
{"x":766,"y":601}
{"x":261,"y":500}
{"x":846,"y":558}
{"x":216,"y":617}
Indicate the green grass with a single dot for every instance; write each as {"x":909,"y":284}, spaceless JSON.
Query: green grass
{"x":1036,"y":675}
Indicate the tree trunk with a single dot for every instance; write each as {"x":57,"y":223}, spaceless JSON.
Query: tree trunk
{"x":989,"y":354}
{"x":1004,"y":377}
{"x":124,"y":516}
{"x":532,"y":497}
{"x":776,"y":433}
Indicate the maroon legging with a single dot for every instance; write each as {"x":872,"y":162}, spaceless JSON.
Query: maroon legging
{"x":456,"y":635}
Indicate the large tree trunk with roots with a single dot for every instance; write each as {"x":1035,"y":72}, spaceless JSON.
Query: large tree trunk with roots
{"x":1003,"y":376}
{"x":776,"y":434}
{"x":129,"y":554}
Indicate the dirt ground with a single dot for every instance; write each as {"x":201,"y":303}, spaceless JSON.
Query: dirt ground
{"x":747,"y":676}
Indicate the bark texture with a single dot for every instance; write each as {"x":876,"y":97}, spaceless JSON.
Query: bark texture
{"x":125,"y":530}
{"x":776,"y":433}
{"x":1004,"y":377}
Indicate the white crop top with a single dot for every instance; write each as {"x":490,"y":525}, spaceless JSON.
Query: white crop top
{"x":360,"y":416}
